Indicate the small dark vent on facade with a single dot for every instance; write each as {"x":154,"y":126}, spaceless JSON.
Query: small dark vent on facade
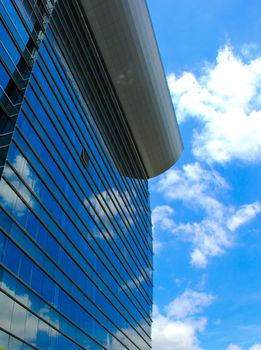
{"x":84,"y":158}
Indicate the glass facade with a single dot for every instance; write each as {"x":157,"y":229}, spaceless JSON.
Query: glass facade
{"x":75,"y":230}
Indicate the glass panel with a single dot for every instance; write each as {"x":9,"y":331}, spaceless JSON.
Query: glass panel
{"x":7,"y":306}
{"x":31,"y":328}
{"x":83,"y":229}
{"x":18,"y":320}
{"x":4,"y":338}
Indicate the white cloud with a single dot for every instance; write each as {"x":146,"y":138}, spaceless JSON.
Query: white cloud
{"x":236,"y":347}
{"x":209,"y":238}
{"x":225,"y":99}
{"x":198,"y":258}
{"x":157,"y":246}
{"x":233,"y":347}
{"x":225,"y":103}
{"x":178,"y":329}
{"x":193,"y":185}
{"x":178,"y":335}
{"x":189,"y":303}
{"x":199,"y":188}
{"x":255,"y":347}
{"x":243,"y":215}
{"x":163,"y":215}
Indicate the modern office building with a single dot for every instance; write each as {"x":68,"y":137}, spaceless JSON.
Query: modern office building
{"x":86,"y":120}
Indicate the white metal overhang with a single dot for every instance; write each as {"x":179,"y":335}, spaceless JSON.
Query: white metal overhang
{"x":125,"y":38}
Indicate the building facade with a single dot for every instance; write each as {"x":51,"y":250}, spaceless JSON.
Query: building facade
{"x":86,"y":120}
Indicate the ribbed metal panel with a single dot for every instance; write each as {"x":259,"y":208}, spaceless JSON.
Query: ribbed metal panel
{"x":125,"y":37}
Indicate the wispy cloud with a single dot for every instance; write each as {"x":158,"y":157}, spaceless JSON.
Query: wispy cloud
{"x":236,"y":347}
{"x":225,"y":99}
{"x":163,"y":215}
{"x":200,"y":188}
{"x":224,"y":102}
{"x":233,"y":347}
{"x":243,"y":215}
{"x":189,"y":303}
{"x":180,"y":323}
{"x":255,"y":347}
{"x":194,"y":185}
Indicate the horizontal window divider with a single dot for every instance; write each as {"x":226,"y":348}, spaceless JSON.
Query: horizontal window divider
{"x":74,"y":260}
{"x":45,"y":321}
{"x":105,"y":163}
{"x":75,"y":160}
{"x":29,"y":32}
{"x":64,"y":289}
{"x":20,"y":88}
{"x":17,"y":337}
{"x":24,"y":52}
{"x":63,"y":233}
{"x":71,"y":66}
{"x":95,"y":166}
{"x":19,"y":148}
{"x":28,"y":287}
{"x":120,"y":285}
{"x":14,"y":65}
{"x":54,"y":145}
{"x":106,"y":77}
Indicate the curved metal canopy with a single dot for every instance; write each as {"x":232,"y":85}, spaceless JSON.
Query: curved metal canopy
{"x":125,"y":37}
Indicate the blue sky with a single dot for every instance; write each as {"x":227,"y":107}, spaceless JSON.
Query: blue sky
{"x":207,"y":208}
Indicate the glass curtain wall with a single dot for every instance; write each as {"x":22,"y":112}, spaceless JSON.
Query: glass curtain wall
{"x":21,"y":35}
{"x":75,"y":230}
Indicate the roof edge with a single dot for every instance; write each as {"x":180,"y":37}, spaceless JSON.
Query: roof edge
{"x":125,"y":37}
